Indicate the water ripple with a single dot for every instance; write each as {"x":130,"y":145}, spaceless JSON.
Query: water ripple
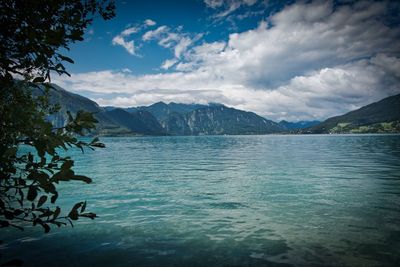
{"x":231,"y":201}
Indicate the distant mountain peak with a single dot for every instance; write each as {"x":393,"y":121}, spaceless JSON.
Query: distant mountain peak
{"x":159,"y":103}
{"x":215,"y":104}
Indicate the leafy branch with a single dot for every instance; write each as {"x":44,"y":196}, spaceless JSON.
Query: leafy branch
{"x":34,"y":35}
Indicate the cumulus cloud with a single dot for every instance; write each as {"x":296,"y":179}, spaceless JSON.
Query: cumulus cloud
{"x":308,"y":61}
{"x":332,"y":91}
{"x":318,"y":95}
{"x":306,"y":37}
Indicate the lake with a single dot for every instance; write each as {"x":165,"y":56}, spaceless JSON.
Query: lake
{"x":274,"y":200}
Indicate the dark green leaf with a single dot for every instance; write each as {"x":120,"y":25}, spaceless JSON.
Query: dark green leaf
{"x":74,"y":211}
{"x":73,"y":215}
{"x":63,"y":175}
{"x":99,"y":145}
{"x":32,"y":193}
{"x":81,"y":178}
{"x":83,"y":207}
{"x":90,"y":215}
{"x":67,"y":165}
{"x":70,"y":222}
{"x":66,"y":59}
{"x":41,"y":201}
{"x":56,"y":213}
{"x":54,"y":198}
{"x":46,"y":227}
{"x":38,"y":80}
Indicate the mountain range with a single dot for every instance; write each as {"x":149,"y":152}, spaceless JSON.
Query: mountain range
{"x":217,"y":119}
{"x":162,"y":119}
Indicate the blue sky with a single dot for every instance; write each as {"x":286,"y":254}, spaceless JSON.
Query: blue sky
{"x":193,"y":16}
{"x":294,"y":60}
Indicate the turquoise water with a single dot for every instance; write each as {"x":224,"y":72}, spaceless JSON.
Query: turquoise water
{"x":229,"y":201}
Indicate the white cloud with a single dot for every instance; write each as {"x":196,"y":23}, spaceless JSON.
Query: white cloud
{"x":149,"y":22}
{"x":128,"y":45}
{"x":229,"y":6}
{"x":129,"y":31}
{"x":390,"y":65}
{"x":126,"y":70}
{"x":308,"y":61}
{"x":122,"y":39}
{"x":176,"y":40}
{"x":303,"y":38}
{"x":214,"y":3}
{"x":168,"y":63}
{"x":182,"y":46}
{"x":318,"y":95}
{"x":332,"y":91}
{"x":154,"y":33}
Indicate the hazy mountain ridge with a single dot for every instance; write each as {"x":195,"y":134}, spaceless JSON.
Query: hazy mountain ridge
{"x":298,"y":125}
{"x":141,"y":122}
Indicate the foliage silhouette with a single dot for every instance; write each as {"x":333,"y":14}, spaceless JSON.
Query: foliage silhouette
{"x":32,"y":35}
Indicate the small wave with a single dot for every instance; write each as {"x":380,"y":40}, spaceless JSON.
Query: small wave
{"x":228,"y":205}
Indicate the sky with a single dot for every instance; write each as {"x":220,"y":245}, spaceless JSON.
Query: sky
{"x":293,"y":60}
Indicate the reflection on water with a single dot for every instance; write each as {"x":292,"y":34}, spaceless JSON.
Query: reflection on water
{"x":229,"y":201}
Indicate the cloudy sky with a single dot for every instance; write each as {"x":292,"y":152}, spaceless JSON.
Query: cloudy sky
{"x":299,"y":60}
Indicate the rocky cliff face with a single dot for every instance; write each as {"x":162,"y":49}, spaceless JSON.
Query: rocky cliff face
{"x":216,"y":120}
{"x":162,"y":111}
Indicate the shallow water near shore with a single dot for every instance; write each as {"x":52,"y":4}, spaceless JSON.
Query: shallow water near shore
{"x":274,"y":200}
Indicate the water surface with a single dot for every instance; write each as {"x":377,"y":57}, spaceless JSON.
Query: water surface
{"x":270,"y":200}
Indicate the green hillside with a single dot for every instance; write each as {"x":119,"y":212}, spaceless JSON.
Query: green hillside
{"x":379,"y":117}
